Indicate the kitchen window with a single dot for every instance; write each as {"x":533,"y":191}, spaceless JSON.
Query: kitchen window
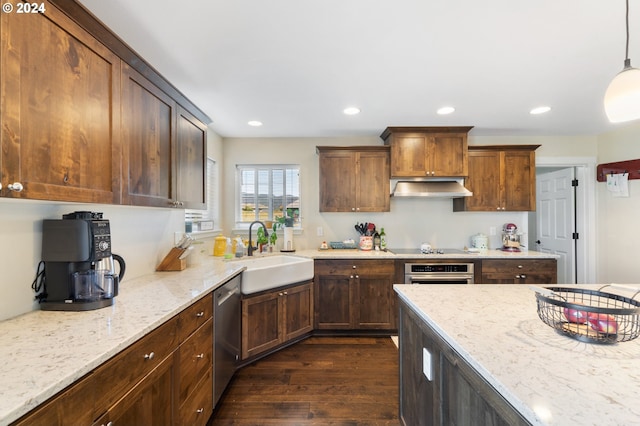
{"x":266,"y":192}
{"x":204,"y":220}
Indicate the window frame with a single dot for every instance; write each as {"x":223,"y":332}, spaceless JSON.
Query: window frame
{"x":257,"y":168}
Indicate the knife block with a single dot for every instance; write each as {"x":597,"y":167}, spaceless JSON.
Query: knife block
{"x":172,"y":261}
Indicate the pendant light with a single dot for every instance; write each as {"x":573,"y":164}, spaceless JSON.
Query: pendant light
{"x":622,"y":98}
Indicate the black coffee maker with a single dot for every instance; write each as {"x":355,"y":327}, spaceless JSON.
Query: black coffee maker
{"x":79,"y":273}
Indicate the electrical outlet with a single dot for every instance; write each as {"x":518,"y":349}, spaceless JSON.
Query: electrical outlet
{"x":492,"y":230}
{"x":427,"y":369}
{"x":319,"y":231}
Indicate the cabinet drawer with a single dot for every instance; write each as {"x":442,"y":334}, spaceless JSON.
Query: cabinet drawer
{"x":194,"y":316}
{"x":196,"y":356}
{"x":342,"y":267}
{"x":72,"y":404}
{"x":198,"y":408}
{"x":518,"y":266}
{"x":115,"y":377}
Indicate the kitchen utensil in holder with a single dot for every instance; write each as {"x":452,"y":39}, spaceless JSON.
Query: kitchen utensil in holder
{"x":580,"y":313}
{"x":172,"y":261}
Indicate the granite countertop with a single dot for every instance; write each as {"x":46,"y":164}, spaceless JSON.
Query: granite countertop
{"x":373,"y":254}
{"x":550,"y":378}
{"x":43,"y":352}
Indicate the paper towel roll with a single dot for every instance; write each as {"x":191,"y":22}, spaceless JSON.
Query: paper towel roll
{"x":288,"y":239}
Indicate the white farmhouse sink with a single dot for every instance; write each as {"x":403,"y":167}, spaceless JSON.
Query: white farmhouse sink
{"x":264,"y":273}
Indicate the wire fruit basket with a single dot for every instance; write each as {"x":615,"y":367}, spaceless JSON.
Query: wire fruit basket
{"x":591,"y":316}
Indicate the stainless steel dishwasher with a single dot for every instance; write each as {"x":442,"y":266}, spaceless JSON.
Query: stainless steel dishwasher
{"x":226,"y":334}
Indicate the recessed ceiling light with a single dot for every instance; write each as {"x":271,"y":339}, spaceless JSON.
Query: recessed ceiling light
{"x":446,"y":110}
{"x":351,"y":111}
{"x":540,"y":110}
{"x":255,"y":123}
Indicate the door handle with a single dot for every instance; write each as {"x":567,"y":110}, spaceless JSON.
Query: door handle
{"x":538,"y":242}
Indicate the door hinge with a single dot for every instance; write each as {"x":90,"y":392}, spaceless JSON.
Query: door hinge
{"x":574,"y":182}
{"x":575,"y":236}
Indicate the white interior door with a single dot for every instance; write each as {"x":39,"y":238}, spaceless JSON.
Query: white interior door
{"x":556,"y":220}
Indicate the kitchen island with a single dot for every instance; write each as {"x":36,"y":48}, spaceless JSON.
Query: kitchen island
{"x":527,"y":372}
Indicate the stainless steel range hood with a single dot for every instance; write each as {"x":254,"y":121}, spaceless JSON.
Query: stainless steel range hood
{"x":432,"y":188}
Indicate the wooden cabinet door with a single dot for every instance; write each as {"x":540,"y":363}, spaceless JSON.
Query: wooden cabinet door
{"x":484,"y":181}
{"x":148,"y":403}
{"x":372,"y":181}
{"x":191,"y":161}
{"x":298,"y":312}
{"x":261,"y":324}
{"x":409,"y":155}
{"x":374,"y":306}
{"x":333,"y":295}
{"x":337,"y":181}
{"x":148,"y":134}
{"x":60,"y":103}
{"x":448,"y":155}
{"x":519,"y":180}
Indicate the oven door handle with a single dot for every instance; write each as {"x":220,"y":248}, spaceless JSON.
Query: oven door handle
{"x":434,"y":277}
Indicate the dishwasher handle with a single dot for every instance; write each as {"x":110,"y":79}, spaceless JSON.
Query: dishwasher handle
{"x":223,"y":298}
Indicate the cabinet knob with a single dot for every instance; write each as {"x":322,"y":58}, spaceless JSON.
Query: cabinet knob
{"x":200,"y":410}
{"x":357,"y":277}
{"x":353,"y":209}
{"x":519,"y":266}
{"x":523,"y":276}
{"x":351,"y":276}
{"x":200,"y":314}
{"x":200,"y":356}
{"x":110,"y":424}
{"x":149,"y":356}
{"x":517,"y":277}
{"x":354,"y":266}
{"x":16,"y":187}
{"x":285,"y":293}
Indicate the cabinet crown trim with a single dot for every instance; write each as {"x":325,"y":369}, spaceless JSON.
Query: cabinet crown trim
{"x":444,"y":129}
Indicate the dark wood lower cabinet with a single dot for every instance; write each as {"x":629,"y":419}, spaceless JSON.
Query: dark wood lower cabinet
{"x":455,"y":394}
{"x":518,"y":271}
{"x":273,"y":318}
{"x":355,"y":295}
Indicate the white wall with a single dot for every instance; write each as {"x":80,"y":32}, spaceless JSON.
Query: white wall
{"x":619,"y":218}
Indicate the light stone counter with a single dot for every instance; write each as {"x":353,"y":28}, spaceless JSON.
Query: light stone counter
{"x":43,"y":352}
{"x":373,"y":254}
{"x":551,"y":379}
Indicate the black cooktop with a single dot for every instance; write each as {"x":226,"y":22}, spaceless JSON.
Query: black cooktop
{"x":434,"y":251}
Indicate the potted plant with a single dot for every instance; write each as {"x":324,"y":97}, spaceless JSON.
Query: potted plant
{"x":261,"y":239}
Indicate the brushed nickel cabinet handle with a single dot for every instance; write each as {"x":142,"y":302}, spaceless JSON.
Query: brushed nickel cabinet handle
{"x":149,"y":356}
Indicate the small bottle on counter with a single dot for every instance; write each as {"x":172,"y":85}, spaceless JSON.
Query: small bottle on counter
{"x":239,"y":249}
{"x":383,"y":239}
{"x":376,"y":241}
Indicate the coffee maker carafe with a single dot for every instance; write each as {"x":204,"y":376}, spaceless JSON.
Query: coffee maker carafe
{"x":79,"y":267}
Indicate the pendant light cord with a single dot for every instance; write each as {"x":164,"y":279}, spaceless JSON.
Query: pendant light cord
{"x":627,"y":61}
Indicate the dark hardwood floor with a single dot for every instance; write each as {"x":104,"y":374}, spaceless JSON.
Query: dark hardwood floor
{"x":319,"y":381}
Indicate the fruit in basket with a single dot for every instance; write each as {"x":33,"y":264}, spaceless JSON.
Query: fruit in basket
{"x":575,"y":315}
{"x":603,"y":323}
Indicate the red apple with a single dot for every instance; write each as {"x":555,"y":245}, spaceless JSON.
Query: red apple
{"x":575,"y":315}
{"x":603,"y":323}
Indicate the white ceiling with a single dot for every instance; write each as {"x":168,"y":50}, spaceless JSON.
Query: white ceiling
{"x":295,"y":64}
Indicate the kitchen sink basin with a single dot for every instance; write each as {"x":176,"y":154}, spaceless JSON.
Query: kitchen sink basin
{"x":264,"y":273}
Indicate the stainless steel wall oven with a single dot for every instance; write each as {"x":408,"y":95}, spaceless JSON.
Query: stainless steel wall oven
{"x":438,"y":273}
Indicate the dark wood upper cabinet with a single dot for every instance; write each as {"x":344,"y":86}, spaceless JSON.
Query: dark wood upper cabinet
{"x":501,"y":177}
{"x":60,"y":103}
{"x":148,"y":136}
{"x":85,"y":119}
{"x":427,"y":151}
{"x":191,"y":161}
{"x":354,"y":179}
